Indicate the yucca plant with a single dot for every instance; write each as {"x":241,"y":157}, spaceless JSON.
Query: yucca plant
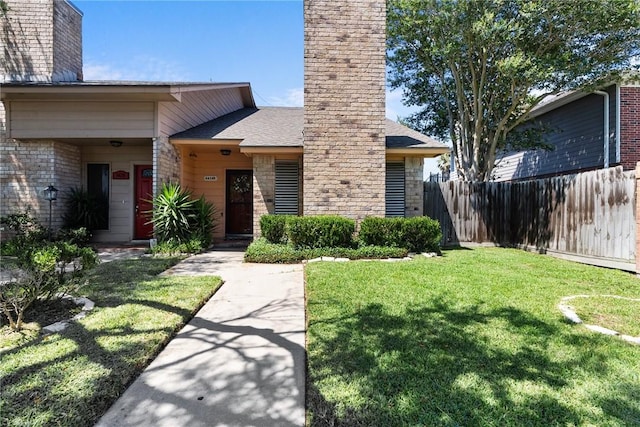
{"x":204,"y":220}
{"x":173,"y":214}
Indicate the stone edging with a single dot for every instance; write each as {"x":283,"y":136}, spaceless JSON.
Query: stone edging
{"x":569,"y":312}
{"x":333,"y":259}
{"x":87,"y":306}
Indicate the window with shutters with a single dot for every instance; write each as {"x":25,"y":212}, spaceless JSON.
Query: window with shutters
{"x":394,"y":189}
{"x":287,"y":188}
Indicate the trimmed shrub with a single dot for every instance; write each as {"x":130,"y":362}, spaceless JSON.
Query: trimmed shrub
{"x":321,"y":231}
{"x":421,"y":234}
{"x":261,"y":251}
{"x":273,"y":227}
{"x":381,"y":232}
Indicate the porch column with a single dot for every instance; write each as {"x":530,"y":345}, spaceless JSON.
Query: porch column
{"x":264,"y":184}
{"x":167,"y":162}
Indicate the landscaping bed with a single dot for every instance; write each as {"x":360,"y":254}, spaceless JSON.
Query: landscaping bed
{"x":474,"y":337}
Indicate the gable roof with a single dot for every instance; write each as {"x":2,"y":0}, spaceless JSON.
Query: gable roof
{"x":283,"y":127}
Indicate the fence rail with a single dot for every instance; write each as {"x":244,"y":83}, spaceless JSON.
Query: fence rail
{"x":589,"y":214}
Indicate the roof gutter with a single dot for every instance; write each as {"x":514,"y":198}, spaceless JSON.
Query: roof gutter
{"x":605,"y":135}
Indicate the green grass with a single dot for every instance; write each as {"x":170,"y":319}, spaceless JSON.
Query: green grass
{"x":610,"y":313}
{"x":71,"y":378}
{"x":470,"y":338}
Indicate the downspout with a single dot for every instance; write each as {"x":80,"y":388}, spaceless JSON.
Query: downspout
{"x":618,"y":136}
{"x":605,"y":135}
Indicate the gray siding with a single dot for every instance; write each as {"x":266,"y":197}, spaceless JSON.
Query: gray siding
{"x":575,"y":133}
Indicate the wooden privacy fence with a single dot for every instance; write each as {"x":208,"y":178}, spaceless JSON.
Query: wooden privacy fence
{"x":589,"y":215}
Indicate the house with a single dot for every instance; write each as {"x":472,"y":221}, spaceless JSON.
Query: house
{"x":576,"y":123}
{"x":123,"y":140}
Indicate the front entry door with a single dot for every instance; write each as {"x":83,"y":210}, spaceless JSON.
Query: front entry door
{"x":239,"y":217}
{"x":143,"y":196}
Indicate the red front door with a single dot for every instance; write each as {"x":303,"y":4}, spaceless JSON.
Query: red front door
{"x":143,"y":205}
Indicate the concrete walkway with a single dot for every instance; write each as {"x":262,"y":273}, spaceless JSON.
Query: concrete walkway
{"x":239,"y":362}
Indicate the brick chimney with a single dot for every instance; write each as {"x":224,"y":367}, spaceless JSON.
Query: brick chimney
{"x":41,"y":41}
{"x":344,"y":107}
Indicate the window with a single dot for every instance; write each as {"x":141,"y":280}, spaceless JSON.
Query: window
{"x":98,"y":187}
{"x":287,"y":188}
{"x":394,"y":189}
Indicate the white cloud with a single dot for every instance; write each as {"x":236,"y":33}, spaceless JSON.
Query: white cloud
{"x":141,"y":68}
{"x":292,"y":98}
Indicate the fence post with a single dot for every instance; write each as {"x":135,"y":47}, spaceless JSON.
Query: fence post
{"x":637,"y":218}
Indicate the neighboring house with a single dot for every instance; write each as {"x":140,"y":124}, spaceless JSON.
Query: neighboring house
{"x":122,"y":140}
{"x":577,"y":122}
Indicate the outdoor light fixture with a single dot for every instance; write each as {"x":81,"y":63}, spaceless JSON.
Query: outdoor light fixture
{"x":115,"y":143}
{"x":193,"y":155}
{"x":50,"y":193}
{"x":225,"y":152}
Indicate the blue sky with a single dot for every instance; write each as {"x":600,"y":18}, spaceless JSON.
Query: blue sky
{"x":260,"y":42}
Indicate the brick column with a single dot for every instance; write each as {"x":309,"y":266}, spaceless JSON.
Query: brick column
{"x":166,"y":163}
{"x":413,"y":186}
{"x":264,"y":179}
{"x":344,"y":108}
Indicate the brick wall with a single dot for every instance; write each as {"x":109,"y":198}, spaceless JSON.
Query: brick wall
{"x":344,"y":123}
{"x":629,"y":126}
{"x":42,"y":40}
{"x":413,"y":186}
{"x":264,"y":179}
{"x":28,"y":167}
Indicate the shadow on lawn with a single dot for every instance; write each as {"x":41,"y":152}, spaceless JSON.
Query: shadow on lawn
{"x":426,"y":367}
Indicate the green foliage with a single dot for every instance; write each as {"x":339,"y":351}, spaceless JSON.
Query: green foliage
{"x":79,"y":236}
{"x":262,"y":251}
{"x":421,"y":234}
{"x":321,"y":231}
{"x":417,"y":234}
{"x":273,"y":228}
{"x":478,"y":67}
{"x":172,"y":213}
{"x":381,"y":231}
{"x":192,"y":246}
{"x":42,"y":271}
{"x":203,"y":224}
{"x":179,"y":219}
{"x":83,"y":209}
{"x":27,"y":232}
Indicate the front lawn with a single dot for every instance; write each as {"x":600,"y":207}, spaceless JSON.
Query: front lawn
{"x":71,"y":378}
{"x":471,"y":338}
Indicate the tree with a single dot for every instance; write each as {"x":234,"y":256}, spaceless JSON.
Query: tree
{"x":478,"y":67}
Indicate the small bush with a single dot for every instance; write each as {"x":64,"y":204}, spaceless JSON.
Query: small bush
{"x":27,"y":231}
{"x":381,"y":232}
{"x":43,"y":271}
{"x":322,"y":231}
{"x":273,"y":228}
{"x":203,"y":222}
{"x":421,"y":234}
{"x":192,"y":246}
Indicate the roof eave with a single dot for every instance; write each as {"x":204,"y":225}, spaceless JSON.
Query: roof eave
{"x":418,"y":151}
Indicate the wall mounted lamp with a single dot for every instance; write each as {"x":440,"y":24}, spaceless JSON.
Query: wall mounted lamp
{"x":115,"y":143}
{"x":50,"y":193}
{"x":225,"y":152}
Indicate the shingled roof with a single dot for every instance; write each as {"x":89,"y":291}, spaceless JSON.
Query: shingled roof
{"x":283,"y":126}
